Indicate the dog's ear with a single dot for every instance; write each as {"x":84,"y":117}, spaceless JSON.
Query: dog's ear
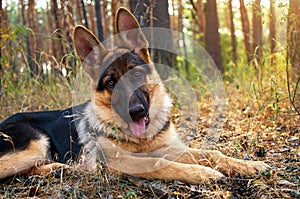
{"x":130,"y":32}
{"x":89,"y":50}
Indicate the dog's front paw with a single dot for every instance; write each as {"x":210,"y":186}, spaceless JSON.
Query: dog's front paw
{"x":246,"y":167}
{"x":253,"y":167}
{"x":231,"y":166}
{"x":196,"y":174}
{"x":205,"y":174}
{"x":46,"y":169}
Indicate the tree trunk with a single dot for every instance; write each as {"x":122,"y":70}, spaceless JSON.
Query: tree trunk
{"x":91,"y":17}
{"x":113,"y":15}
{"x":47,"y":42}
{"x":49,"y":28}
{"x":86,"y":20}
{"x":99,"y":20}
{"x":78,"y":12}
{"x":141,"y":11}
{"x":212,"y":37}
{"x":257,"y":32}
{"x":246,"y":29}
{"x":180,"y":29}
{"x":1,"y":32}
{"x":161,"y":18}
{"x":56,"y":46}
{"x":293,"y":54}
{"x":31,"y":45}
{"x":201,"y":19}
{"x":63,"y":28}
{"x":200,"y":23}
{"x":161,"y":14}
{"x":232,"y":32}
{"x":155,"y":13}
{"x":106,"y":19}
{"x":69,"y":24}
{"x":173,"y":18}
{"x":293,"y":35}
{"x":272,"y":33}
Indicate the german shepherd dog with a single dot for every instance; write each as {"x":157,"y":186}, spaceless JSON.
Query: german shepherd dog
{"x":125,"y":125}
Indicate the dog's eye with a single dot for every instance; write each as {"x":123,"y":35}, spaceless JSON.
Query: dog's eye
{"x":110,"y":83}
{"x":138,"y":74}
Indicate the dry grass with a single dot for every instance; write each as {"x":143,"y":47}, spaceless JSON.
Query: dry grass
{"x":260,"y":125}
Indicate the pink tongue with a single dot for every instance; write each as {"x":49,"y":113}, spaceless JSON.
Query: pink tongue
{"x":138,"y":128}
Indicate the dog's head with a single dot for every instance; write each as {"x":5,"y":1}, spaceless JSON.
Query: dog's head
{"x":124,"y":80}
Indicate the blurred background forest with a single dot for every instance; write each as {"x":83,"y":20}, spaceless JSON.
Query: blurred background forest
{"x":258,"y":38}
{"x":252,"y":41}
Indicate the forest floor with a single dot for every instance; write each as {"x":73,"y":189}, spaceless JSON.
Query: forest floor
{"x":252,"y":130}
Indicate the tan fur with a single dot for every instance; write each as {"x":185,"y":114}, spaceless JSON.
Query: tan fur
{"x":160,"y":154}
{"x":20,"y":161}
{"x":165,"y":157}
{"x":47,"y":168}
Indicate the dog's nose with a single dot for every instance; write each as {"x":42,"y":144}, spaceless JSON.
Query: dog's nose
{"x":137,"y":111}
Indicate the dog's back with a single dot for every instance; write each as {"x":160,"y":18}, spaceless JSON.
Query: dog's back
{"x":29,"y":139}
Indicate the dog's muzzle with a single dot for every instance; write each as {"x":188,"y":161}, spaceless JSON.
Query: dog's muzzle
{"x":140,"y":119}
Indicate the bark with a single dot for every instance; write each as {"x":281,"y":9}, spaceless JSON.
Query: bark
{"x":293,"y":34}
{"x":161,"y":18}
{"x":91,"y":17}
{"x":173,"y":18}
{"x":272,"y":37}
{"x":141,"y":10}
{"x":293,"y":54}
{"x":257,"y":31}
{"x":113,"y":15}
{"x":57,"y":47}
{"x":180,"y":29}
{"x":69,"y":23}
{"x":212,"y":37}
{"x":31,"y":38}
{"x":1,"y":32}
{"x":155,"y":13}
{"x":245,"y":29}
{"x":201,"y":18}
{"x":78,"y":12}
{"x":86,"y":21}
{"x":106,"y":19}
{"x":63,"y":28}
{"x":99,"y":20}
{"x":232,"y":32}
{"x":48,"y":30}
{"x":161,"y":14}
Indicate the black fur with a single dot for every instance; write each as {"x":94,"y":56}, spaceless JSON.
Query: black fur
{"x":58,"y":125}
{"x":118,"y":67}
{"x":17,"y":131}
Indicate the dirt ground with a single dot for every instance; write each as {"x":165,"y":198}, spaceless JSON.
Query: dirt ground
{"x":249,"y":132}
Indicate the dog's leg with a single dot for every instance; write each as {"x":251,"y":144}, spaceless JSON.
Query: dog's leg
{"x":47,"y":169}
{"x":159,"y":168}
{"x":23,"y":160}
{"x":221,"y":162}
{"x":153,"y":167}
